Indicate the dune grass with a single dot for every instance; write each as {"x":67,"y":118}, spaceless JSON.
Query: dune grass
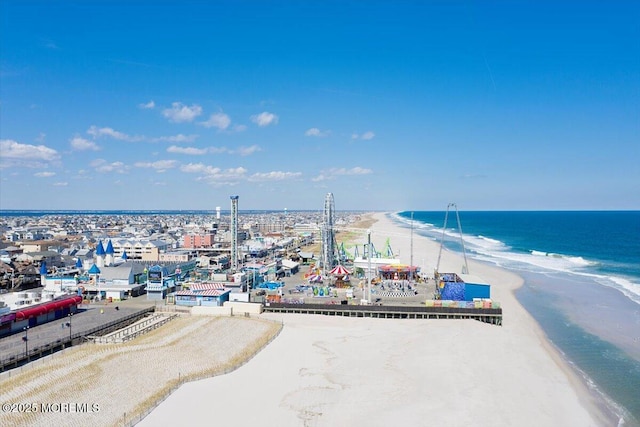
{"x":127,"y":380}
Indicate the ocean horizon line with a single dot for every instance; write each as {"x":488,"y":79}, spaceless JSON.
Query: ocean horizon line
{"x":310,"y":210}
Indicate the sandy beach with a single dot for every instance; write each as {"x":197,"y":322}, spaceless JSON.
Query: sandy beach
{"x":116,"y":384}
{"x":325,"y":371}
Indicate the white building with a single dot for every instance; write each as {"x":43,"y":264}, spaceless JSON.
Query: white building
{"x":139,"y":249}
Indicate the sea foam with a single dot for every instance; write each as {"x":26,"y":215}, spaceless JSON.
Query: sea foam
{"x":488,"y":249}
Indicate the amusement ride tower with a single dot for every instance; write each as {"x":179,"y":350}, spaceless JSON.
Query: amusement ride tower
{"x":234,"y":233}
{"x":328,"y":235}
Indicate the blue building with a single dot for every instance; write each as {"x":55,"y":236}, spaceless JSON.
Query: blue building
{"x":462,"y":287}
{"x":159,"y":284}
{"x":203,"y":294}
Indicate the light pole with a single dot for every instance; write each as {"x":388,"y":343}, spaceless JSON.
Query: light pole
{"x":253,"y":281}
{"x":369,"y":265}
{"x":69,"y":325}
{"x":411,"y":261}
{"x":25,"y":338}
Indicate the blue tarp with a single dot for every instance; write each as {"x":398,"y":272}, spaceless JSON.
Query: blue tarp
{"x":270,"y":285}
{"x":453,"y":291}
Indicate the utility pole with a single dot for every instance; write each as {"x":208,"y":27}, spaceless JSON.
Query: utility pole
{"x":369,"y":265}
{"x":25,"y":338}
{"x":69,"y":325}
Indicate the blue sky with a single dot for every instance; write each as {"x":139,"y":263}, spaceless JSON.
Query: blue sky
{"x":389,"y":105}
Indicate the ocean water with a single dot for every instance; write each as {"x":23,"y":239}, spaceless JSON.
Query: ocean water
{"x":582,"y":284}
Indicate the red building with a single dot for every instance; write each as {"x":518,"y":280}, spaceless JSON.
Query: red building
{"x":193,"y":241}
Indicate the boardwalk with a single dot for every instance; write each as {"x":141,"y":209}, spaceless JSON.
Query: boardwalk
{"x":55,"y":335}
{"x":487,"y":315}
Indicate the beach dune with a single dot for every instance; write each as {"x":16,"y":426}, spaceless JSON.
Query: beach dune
{"x":332,"y":371}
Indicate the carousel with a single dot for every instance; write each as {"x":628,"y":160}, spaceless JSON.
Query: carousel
{"x":341,"y":276}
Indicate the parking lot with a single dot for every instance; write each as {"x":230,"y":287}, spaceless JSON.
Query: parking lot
{"x":87,"y":318}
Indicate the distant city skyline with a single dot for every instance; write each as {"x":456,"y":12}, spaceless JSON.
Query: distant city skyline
{"x":390,"y":106}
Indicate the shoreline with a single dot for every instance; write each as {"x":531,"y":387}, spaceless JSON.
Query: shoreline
{"x":597,"y":403}
{"x":608,"y":378}
{"x":589,"y":322}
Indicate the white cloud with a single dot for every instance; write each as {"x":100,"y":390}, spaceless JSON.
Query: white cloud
{"x":334,"y":172}
{"x":44,"y":174}
{"x":217,"y":120}
{"x":97,"y":132}
{"x":199,"y":168}
{"x":148,"y":106}
{"x":242,"y":151}
{"x":41,"y":137}
{"x":214,"y":175}
{"x":175,"y":138}
{"x":365,"y":136}
{"x":101,"y":165}
{"x":60,"y":184}
{"x":187,"y":150}
{"x":353,"y":171}
{"x":10,"y":149}
{"x":239,"y":171}
{"x":264,"y":119}
{"x":316,"y":132}
{"x":274,"y":176}
{"x":49,"y":44}
{"x":160,"y":165}
{"x":81,"y":144}
{"x":112,"y":167}
{"x":247,"y":151}
{"x":219,"y":150}
{"x":179,"y":112}
{"x":239,"y":128}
